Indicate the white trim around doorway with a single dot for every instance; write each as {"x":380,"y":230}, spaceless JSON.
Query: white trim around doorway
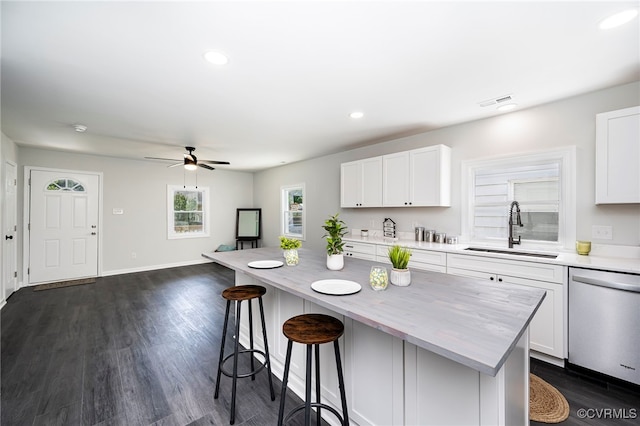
{"x":27,"y":211}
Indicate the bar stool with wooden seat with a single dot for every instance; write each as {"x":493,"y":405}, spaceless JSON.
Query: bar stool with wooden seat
{"x":313,"y":330}
{"x":240,"y":294}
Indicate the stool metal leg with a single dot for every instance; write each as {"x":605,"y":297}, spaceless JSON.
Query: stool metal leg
{"x":253,"y":376}
{"x":285,"y":377}
{"x":318,"y":397}
{"x":307,"y":399}
{"x":224,"y":338}
{"x":266,"y":348}
{"x":343,"y":398}
{"x":235,"y":364}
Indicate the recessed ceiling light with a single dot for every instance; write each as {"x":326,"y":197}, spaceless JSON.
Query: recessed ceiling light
{"x":356,"y":114}
{"x":507,"y":107}
{"x":618,"y":19}
{"x":216,"y":58}
{"x":80,"y":128}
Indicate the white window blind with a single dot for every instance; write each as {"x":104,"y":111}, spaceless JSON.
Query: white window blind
{"x":535,"y":186}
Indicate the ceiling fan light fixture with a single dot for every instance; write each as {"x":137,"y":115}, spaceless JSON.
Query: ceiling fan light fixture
{"x":189,"y":164}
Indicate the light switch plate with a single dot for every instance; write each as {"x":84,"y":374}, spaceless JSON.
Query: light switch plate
{"x":601,"y":232}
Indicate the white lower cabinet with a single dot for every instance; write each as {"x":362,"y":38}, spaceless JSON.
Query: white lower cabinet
{"x":358,"y":250}
{"x":547,"y":327}
{"x":374,"y":375}
{"x":426,"y":260}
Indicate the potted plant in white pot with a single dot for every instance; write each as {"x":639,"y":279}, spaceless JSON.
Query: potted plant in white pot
{"x":335,"y":230}
{"x":399,"y":257}
{"x":290,"y":247}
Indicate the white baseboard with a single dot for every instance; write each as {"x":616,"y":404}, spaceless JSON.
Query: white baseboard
{"x":153,"y":267}
{"x":547,"y":358}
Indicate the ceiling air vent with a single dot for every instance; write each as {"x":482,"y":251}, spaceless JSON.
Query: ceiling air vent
{"x":495,"y":101}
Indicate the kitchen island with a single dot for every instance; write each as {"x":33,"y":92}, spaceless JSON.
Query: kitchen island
{"x":445,"y":350}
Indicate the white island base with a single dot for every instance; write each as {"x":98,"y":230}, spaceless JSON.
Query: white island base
{"x":390,"y":381}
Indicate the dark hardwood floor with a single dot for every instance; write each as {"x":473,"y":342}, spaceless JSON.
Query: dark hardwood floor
{"x":134,"y":349}
{"x":141,"y":349}
{"x":592,"y":400}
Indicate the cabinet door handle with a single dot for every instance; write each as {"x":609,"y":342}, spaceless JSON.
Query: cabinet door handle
{"x":8,"y":237}
{"x":491,"y":278}
{"x":499,"y":279}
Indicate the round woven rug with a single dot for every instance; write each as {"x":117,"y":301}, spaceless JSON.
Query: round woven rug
{"x":546,"y":403}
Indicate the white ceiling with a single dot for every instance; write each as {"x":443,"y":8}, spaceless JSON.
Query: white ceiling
{"x":134,"y":74}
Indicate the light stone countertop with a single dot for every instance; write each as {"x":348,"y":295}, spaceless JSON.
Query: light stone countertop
{"x":473,"y":322}
{"x":604,"y":261}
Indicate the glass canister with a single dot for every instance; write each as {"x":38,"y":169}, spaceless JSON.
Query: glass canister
{"x":378,"y":278}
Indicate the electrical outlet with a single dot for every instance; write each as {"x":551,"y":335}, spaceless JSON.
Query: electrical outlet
{"x":601,"y":232}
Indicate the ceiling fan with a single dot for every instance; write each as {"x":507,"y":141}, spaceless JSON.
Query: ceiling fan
{"x":190,"y":161}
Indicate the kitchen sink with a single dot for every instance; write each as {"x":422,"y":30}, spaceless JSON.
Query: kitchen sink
{"x":512,"y":252}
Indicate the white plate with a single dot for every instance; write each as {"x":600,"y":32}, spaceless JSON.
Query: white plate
{"x":336,"y":287}
{"x":265,"y":264}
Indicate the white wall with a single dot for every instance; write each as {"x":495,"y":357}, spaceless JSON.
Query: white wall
{"x":140,"y":188}
{"x":563,"y":123}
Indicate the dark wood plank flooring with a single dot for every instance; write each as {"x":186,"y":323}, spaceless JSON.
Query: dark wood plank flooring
{"x":593,"y":400}
{"x":141,"y":349}
{"x":134,"y":349}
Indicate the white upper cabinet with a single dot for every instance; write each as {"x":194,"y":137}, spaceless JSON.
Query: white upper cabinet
{"x":618,"y":156}
{"x":395,"y":180}
{"x":420,"y":177}
{"x":361,"y":183}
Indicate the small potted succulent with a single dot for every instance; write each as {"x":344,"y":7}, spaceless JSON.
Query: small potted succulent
{"x":399,"y":257}
{"x":335,"y":229}
{"x":290,"y":247}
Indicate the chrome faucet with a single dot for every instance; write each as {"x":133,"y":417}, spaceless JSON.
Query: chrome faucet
{"x":518,"y":223}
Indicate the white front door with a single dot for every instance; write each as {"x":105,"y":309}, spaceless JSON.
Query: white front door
{"x":63,"y":237}
{"x":9,"y":228}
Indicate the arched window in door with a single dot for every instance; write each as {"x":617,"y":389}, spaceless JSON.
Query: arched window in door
{"x":65,"y":184}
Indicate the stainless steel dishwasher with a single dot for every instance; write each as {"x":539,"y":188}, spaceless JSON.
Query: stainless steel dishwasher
{"x":604,"y":322}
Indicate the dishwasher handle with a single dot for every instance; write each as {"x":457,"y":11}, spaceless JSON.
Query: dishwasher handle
{"x":635,"y":288}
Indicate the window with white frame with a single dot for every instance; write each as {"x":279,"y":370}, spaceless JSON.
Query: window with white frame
{"x":293,"y":208}
{"x":542,"y":184}
{"x":188,"y":212}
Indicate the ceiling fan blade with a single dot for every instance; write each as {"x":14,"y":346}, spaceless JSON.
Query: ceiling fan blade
{"x":213,"y":162}
{"x":164,"y":159}
{"x":176,"y":165}
{"x":204,"y":166}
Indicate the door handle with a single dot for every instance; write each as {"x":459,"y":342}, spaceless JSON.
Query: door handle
{"x":8,"y":237}
{"x":93,"y":233}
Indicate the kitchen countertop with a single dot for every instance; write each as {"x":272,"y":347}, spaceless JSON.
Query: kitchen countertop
{"x":475,"y":324}
{"x":592,"y":261}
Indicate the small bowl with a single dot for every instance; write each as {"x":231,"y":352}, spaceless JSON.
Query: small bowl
{"x":583,"y":247}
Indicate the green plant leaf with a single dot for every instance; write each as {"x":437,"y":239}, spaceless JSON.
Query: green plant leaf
{"x":335,"y":229}
{"x":399,"y":256}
